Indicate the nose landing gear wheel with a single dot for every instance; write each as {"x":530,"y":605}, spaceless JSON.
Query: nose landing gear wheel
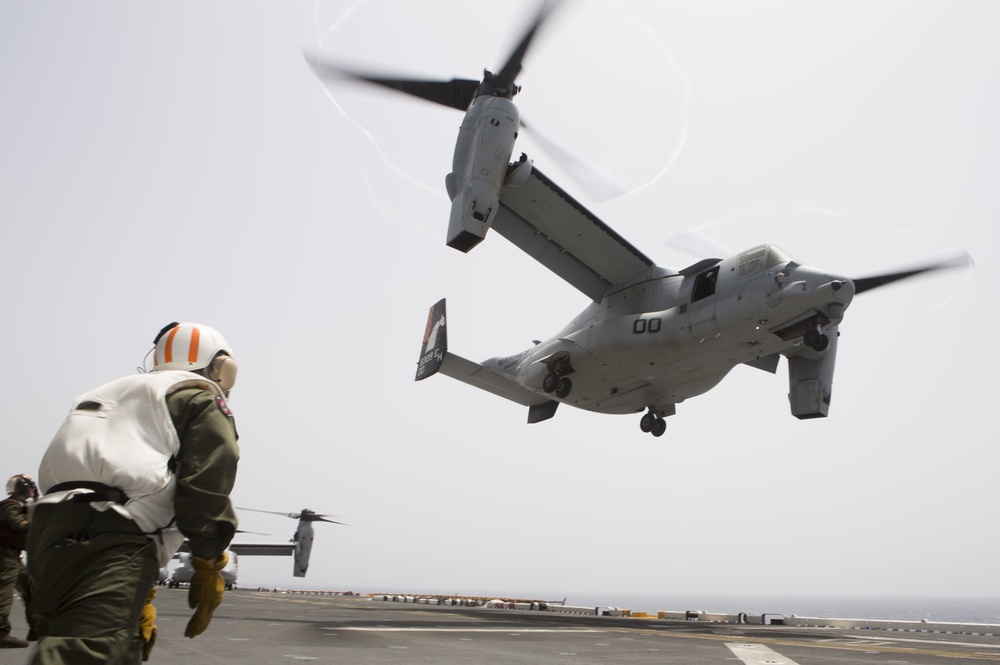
{"x":549,"y":382}
{"x":816,"y":340}
{"x":653,"y":424}
{"x":646,"y":422}
{"x":563,"y":387}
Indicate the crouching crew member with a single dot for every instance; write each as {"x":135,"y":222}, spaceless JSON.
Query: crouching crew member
{"x":139,"y":464}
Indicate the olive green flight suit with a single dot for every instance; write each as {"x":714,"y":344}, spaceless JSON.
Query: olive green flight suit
{"x":13,"y":575}
{"x":91,"y":570}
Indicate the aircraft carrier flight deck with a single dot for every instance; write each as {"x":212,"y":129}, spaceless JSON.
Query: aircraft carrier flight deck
{"x":252,"y":627}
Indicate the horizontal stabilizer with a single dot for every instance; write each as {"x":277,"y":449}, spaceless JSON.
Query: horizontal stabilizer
{"x":476,"y":375}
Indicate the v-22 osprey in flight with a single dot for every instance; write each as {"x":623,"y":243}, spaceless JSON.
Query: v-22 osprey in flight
{"x":652,"y":336}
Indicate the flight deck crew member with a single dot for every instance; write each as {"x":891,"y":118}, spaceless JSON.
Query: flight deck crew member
{"x":13,"y":535}
{"x":139,"y":464}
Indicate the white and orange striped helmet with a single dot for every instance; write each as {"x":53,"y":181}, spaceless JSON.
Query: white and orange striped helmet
{"x":192,"y":347}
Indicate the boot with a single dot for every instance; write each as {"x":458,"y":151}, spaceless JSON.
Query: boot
{"x":11,"y":642}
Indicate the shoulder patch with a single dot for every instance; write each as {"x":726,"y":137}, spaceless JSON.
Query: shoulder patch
{"x":223,"y":406}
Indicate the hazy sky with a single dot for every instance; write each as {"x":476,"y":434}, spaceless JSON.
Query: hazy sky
{"x":179,"y":161}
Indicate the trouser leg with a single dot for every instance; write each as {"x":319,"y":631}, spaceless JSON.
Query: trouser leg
{"x":24,"y":590}
{"x":90,"y":572}
{"x":8,"y":580}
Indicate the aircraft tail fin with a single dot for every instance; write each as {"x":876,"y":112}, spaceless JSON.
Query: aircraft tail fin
{"x":435,"y":344}
{"x":435,"y":357}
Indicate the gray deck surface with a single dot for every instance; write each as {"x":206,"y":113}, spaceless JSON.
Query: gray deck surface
{"x":253,"y":627}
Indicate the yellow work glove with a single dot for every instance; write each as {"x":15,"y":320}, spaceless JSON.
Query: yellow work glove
{"x":206,"y":592}
{"x":147,"y":629}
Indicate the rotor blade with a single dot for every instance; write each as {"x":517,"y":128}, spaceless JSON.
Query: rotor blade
{"x":868,"y":283}
{"x":599,"y":184}
{"x":256,"y":533}
{"x":294,"y":516}
{"x":313,"y":517}
{"x":505,"y":78}
{"x":456,"y":93}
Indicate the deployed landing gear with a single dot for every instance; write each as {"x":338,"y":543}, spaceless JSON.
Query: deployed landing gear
{"x":653,"y":424}
{"x":560,"y":385}
{"x":815,"y":339}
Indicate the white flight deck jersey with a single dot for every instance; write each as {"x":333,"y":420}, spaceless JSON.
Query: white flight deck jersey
{"x":121,"y":435}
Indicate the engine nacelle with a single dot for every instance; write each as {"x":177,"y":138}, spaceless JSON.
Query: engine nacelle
{"x":472,"y":213}
{"x":479,"y":168}
{"x":810,"y":380}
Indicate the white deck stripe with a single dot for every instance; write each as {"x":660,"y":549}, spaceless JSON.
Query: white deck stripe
{"x":758,"y":654}
{"x":390,"y":629}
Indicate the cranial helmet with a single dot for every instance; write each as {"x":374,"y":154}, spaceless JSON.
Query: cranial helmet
{"x":22,"y":484}
{"x":193,"y":347}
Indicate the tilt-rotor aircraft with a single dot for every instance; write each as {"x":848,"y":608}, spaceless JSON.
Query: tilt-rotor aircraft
{"x":652,"y":336}
{"x":299,"y":548}
{"x":302,"y":539}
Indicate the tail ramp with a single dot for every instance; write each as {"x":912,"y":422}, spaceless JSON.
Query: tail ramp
{"x":435,"y":357}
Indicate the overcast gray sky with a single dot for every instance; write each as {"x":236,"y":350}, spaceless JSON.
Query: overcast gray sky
{"x":179,"y":161}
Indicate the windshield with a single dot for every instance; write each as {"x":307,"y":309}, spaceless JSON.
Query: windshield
{"x":759,"y":258}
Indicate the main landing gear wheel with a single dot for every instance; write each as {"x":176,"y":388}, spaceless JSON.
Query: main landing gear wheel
{"x":659,"y":427}
{"x":560,"y":385}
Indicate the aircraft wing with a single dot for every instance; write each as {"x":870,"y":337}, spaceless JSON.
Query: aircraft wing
{"x":263,"y":549}
{"x":251,"y":549}
{"x":557,"y":231}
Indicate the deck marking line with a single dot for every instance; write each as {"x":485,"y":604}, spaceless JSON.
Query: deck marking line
{"x":758,"y":654}
{"x":387,"y":629}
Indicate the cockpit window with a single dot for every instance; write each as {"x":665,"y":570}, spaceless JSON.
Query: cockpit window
{"x":753,"y":261}
{"x":776,"y":256}
{"x":757,"y":259}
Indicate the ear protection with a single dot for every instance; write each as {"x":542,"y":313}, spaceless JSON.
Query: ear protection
{"x":223,"y":371}
{"x":23,"y":485}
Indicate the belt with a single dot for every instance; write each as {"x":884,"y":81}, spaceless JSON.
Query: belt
{"x":101,"y":492}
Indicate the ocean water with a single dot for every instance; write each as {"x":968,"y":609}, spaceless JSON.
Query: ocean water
{"x":958,"y":609}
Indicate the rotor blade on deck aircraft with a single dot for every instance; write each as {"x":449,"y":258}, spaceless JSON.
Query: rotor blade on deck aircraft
{"x":323,"y":518}
{"x":294,"y":516}
{"x":868,"y":283}
{"x":306,"y":515}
